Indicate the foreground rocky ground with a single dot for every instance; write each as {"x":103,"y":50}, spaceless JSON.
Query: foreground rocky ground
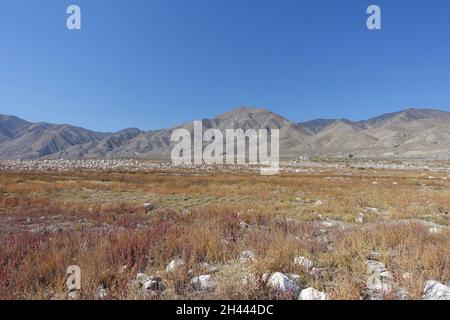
{"x":149,"y":230}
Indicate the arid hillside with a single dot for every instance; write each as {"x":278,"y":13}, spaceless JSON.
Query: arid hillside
{"x":411,"y":133}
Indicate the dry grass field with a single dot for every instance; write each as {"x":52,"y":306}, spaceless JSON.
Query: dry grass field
{"x":238,"y":228}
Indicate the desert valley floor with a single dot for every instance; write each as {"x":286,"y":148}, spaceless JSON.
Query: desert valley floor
{"x":324,"y":229}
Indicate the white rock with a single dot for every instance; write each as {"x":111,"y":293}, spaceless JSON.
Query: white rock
{"x":373,"y":255}
{"x":142,"y":278}
{"x":434,"y":230}
{"x":379,"y":268}
{"x":312,"y":294}
{"x":375,"y":266}
{"x":330,"y":223}
{"x":359,"y":218}
{"x":295,"y":277}
{"x":381,"y":287}
{"x":281,"y":283}
{"x":436,"y":291}
{"x":174,"y":265}
{"x":102,"y":293}
{"x":203,"y":283}
{"x":319,"y":203}
{"x":380,"y":279}
{"x":153,"y":285}
{"x":73,"y":295}
{"x":304,"y":262}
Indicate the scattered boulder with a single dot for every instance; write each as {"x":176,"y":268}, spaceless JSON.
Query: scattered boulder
{"x":56,"y":229}
{"x":312,"y":294}
{"x":379,"y":278}
{"x":330,"y":223}
{"x":359,"y":218}
{"x":146,"y":286}
{"x":319,"y":203}
{"x":73,"y":295}
{"x":101,"y":293}
{"x":142,"y":278}
{"x":304,"y":262}
{"x":377,"y":267}
{"x":154,"y":285}
{"x":294,"y":276}
{"x":174,"y":265}
{"x":434,"y":230}
{"x":381,"y":282}
{"x":373,"y":255}
{"x":203,"y":283}
{"x":436,"y":291}
{"x":281,"y":283}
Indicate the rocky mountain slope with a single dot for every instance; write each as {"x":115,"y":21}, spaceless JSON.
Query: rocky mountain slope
{"x":411,"y":133}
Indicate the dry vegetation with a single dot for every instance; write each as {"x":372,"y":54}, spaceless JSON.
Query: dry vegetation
{"x":96,"y":220}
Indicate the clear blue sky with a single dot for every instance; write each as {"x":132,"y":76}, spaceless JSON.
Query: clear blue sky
{"x":157,"y":63}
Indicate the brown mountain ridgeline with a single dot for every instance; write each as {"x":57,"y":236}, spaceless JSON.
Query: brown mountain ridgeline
{"x":411,"y":133}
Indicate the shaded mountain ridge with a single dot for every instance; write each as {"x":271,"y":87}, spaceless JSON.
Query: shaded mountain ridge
{"x":410,"y":133}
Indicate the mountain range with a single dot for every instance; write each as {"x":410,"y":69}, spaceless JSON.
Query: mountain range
{"x":410,"y":133}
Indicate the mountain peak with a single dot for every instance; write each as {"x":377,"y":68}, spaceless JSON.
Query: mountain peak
{"x":425,"y":113}
{"x":246,"y":110}
{"x":409,"y":114}
{"x":316,"y":125}
{"x":12,"y":119}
